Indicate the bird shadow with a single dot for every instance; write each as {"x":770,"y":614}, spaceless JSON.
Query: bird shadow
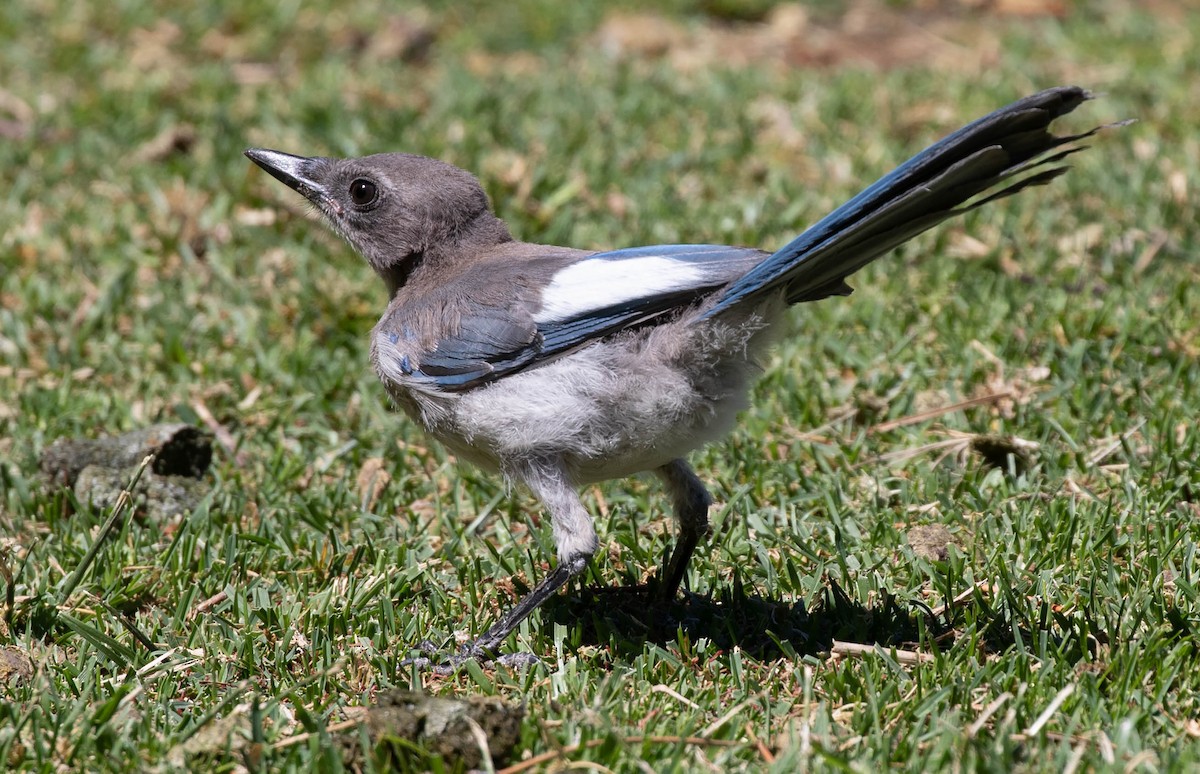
{"x":626,"y":618}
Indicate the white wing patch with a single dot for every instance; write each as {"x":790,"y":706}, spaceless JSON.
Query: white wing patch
{"x":598,"y":283}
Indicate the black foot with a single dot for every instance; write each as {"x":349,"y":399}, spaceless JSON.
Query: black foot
{"x":662,"y":592}
{"x":484,"y":648}
{"x":468,"y":653}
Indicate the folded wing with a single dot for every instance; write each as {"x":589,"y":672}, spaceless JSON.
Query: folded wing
{"x":585,"y":300}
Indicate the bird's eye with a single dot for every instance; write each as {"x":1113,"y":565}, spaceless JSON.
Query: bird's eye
{"x":363,"y":192}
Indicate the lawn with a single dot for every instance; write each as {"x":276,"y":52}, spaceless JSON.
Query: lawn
{"x":958,"y":528}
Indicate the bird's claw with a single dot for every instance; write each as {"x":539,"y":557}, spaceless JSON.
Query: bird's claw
{"x":469,"y":652}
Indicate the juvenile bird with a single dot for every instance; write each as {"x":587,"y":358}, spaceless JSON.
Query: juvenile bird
{"x":559,"y":367}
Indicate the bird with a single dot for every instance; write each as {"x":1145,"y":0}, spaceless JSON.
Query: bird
{"x":558,"y":367}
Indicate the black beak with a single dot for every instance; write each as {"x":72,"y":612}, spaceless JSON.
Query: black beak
{"x":296,"y":172}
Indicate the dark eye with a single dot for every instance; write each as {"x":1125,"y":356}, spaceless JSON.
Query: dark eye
{"x":363,"y":192}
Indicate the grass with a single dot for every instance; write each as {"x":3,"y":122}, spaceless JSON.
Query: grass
{"x":139,"y":285}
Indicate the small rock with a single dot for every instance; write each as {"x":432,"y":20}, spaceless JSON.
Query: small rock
{"x":182,"y":450}
{"x":99,"y":469}
{"x":997,"y":450}
{"x":444,"y":727}
{"x":157,"y":497}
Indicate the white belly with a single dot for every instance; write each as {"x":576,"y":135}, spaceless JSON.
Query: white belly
{"x":609,"y":410}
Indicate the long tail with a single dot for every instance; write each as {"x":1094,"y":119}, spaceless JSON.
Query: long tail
{"x":1008,"y":150}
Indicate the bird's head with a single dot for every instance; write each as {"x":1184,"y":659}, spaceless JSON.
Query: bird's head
{"x":393,"y":208}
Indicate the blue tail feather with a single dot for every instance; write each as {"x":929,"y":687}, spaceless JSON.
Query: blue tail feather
{"x":933,"y":185}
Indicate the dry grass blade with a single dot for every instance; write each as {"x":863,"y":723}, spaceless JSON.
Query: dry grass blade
{"x":122,"y":508}
{"x":858,"y":650}
{"x":924,"y":416}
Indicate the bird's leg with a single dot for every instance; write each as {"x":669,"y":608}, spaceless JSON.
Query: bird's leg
{"x":574,"y":535}
{"x":691,"y":501}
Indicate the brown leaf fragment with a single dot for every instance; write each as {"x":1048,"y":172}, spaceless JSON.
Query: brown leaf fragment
{"x":175,"y":139}
{"x":373,"y":478}
{"x":407,"y":38}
